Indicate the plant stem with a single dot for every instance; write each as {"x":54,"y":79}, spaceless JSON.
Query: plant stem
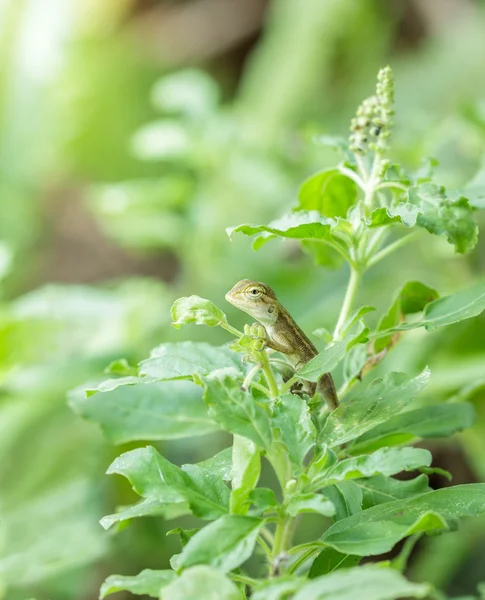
{"x":243,"y":579}
{"x":390,"y":248}
{"x":264,"y":546}
{"x":232,"y":329}
{"x":352,"y":287}
{"x":268,"y":373}
{"x":302,"y":558}
{"x":283,"y":533}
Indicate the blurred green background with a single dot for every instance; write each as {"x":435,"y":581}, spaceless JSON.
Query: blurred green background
{"x":132,"y":133}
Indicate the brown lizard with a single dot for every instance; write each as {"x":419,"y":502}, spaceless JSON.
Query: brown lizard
{"x":283,"y":335}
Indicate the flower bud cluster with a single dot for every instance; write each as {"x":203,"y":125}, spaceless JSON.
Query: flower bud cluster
{"x":371,"y":127}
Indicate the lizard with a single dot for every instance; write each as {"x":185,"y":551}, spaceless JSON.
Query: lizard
{"x":283,"y":335}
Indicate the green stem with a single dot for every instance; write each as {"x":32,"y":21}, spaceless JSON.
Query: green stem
{"x":391,"y":248}
{"x":282,"y":538}
{"x":244,"y":579}
{"x":268,"y":373}
{"x":232,"y":329}
{"x":353,"y":285}
{"x":302,"y":558}
{"x":264,"y":546}
{"x":250,"y":376}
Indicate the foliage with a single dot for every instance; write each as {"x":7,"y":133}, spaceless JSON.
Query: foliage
{"x":340,"y":466}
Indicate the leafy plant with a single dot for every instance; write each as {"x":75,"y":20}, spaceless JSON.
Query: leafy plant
{"x":339,"y":466}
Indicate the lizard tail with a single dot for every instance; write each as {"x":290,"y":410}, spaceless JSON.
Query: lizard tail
{"x":326,"y":388}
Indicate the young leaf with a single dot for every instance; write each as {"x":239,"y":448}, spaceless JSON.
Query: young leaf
{"x":147,"y":582}
{"x":441,"y":216}
{"x":411,"y":298}
{"x":157,"y":479}
{"x":200,"y":311}
{"x":381,"y":399}
{"x":346,"y":496}
{"x":310,"y":503}
{"x":402,"y":212}
{"x":224,"y":544}
{"x":235,"y":410}
{"x":386,"y":461}
{"x":329,"y":192}
{"x":263,"y":499}
{"x":377,"y":529}
{"x":246,"y":468}
{"x":184,"y":359}
{"x":379,"y":489}
{"x":184,"y":534}
{"x":435,"y":420}
{"x":203,"y":583}
{"x":147,"y":411}
{"x":329,"y":560}
{"x":292,"y":417}
{"x":372,"y":582}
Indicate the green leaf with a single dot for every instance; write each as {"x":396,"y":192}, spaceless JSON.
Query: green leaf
{"x":182,"y":360}
{"x":377,"y":529}
{"x":300,"y":225}
{"x":184,"y":534}
{"x":146,"y":508}
{"x":147,"y":411}
{"x":402,"y":212}
{"x":246,"y":468}
{"x":372,"y":583}
{"x":329,"y":192}
{"x":461,"y":305}
{"x":234,"y":409}
{"x":380,"y":488}
{"x":441,"y":216}
{"x":357,"y":315}
{"x":224,"y":544}
{"x":310,"y":503}
{"x":194,"y":309}
{"x":447,"y":310}
{"x":386,"y":461}
{"x":291,"y":416}
{"x":333,"y":354}
{"x":147,"y":582}
{"x":382,"y":399}
{"x":435,"y":420}
{"x":411,"y":298}
{"x":329,"y":560}
{"x":220,"y":464}
{"x":203,"y":583}
{"x":158,"y":480}
{"x":263,"y":499}
{"x":346,"y":496}
{"x":324,"y":362}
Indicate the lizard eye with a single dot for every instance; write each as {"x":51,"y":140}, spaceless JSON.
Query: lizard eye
{"x":255,"y":292}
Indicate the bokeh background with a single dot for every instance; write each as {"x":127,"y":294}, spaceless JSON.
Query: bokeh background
{"x":132,"y":133}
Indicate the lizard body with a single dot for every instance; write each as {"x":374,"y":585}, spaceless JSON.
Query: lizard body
{"x":259,"y":301}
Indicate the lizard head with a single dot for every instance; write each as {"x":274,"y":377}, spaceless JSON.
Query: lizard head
{"x":256,"y":299}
